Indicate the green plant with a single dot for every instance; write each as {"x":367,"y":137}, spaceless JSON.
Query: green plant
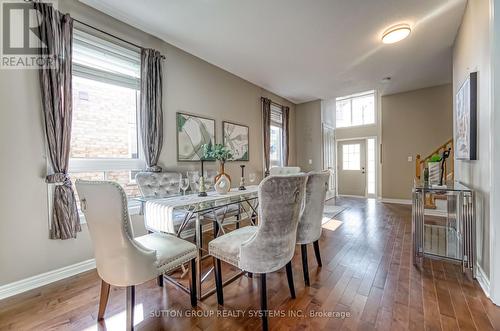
{"x":217,"y":152}
{"x":435,"y":158}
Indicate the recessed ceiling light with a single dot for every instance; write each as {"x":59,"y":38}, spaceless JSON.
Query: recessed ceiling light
{"x":396,"y":33}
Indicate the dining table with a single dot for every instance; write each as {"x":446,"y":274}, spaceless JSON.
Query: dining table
{"x":185,"y":216}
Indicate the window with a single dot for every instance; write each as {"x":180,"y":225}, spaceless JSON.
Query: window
{"x":351,"y":157}
{"x":105,"y":139}
{"x":371,"y":166}
{"x":355,"y":110}
{"x":276,"y":151}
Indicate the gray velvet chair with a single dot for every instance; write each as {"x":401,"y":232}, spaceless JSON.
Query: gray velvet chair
{"x":269,"y":246}
{"x":309,"y":229}
{"x":121,"y":259}
{"x":158,"y":184}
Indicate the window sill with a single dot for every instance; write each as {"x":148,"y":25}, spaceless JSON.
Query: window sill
{"x":356,"y":126}
{"x":134,"y":208}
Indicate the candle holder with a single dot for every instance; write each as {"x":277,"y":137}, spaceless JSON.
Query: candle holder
{"x":202,"y":190}
{"x":242,"y":180}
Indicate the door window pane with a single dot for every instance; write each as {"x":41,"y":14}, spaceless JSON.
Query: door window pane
{"x":351,"y":157}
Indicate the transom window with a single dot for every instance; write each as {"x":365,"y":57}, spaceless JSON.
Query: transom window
{"x":276,"y":152}
{"x":105,"y":139}
{"x":351,"y":157}
{"x":355,"y":110}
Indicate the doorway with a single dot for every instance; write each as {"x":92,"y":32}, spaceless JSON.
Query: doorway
{"x":356,"y":167}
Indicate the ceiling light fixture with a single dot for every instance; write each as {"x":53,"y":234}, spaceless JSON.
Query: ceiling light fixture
{"x":396,"y":33}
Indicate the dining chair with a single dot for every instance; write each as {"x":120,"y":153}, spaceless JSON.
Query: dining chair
{"x":121,"y":259}
{"x":269,"y":246}
{"x":310,"y":224}
{"x":276,"y":171}
{"x":158,"y":184}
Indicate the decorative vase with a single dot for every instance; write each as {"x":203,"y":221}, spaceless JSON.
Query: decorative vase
{"x":434,"y":172}
{"x":222,"y":180}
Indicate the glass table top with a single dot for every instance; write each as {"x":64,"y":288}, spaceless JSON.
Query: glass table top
{"x":449,"y":186}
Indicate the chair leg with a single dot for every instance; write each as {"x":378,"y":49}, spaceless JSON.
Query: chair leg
{"x":159,"y":280}
{"x":316,"y":252}
{"x":263,"y":302}
{"x":250,"y":275}
{"x":289,"y":276}
{"x":103,"y":301}
{"x":216,"y":229}
{"x":218,"y":281}
{"x":130,"y":307}
{"x":303,"y":249}
{"x":192,"y":284}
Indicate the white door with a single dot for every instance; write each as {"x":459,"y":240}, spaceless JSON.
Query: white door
{"x":329,"y":158}
{"x":351,"y":167}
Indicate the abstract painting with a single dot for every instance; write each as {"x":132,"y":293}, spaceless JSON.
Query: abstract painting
{"x":466,"y":119}
{"x":192,"y":133}
{"x":235,"y":137}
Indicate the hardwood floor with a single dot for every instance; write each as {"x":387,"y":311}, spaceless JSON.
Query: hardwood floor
{"x":367,"y":273}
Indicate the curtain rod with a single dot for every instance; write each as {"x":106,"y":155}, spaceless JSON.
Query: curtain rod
{"x":104,"y":32}
{"x":111,"y":35}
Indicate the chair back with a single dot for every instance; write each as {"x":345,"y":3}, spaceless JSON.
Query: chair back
{"x":120,"y":260}
{"x":158,"y":184}
{"x":273,"y":245}
{"x":277,"y":171}
{"x":309,"y":229}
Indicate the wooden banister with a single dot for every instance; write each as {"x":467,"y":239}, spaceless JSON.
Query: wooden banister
{"x":420,"y":162}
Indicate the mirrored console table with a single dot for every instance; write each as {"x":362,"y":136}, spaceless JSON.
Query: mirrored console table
{"x":451,"y":237}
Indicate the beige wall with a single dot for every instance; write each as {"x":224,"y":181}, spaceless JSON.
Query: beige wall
{"x":190,"y":85}
{"x":309,"y":139}
{"x":472,"y":53}
{"x":414,"y":122}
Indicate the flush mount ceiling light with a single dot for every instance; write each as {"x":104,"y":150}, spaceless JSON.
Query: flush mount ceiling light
{"x":396,"y":33}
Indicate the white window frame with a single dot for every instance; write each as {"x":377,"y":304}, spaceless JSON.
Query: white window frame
{"x":277,"y":109}
{"x":350,"y":98}
{"x":78,"y":165}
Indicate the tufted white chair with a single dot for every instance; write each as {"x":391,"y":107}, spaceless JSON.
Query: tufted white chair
{"x":121,"y":259}
{"x":269,"y":246}
{"x":309,"y":229}
{"x":158,"y":184}
{"x":277,"y":171}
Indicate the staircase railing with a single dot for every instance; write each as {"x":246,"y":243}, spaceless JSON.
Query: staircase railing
{"x":421,"y":163}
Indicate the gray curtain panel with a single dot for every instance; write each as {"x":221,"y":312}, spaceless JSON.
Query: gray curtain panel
{"x":285,"y":133}
{"x":151,"y":119}
{"x":56,"y":31}
{"x":266,"y":130}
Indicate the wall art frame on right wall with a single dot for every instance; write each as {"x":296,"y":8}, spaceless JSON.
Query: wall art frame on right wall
{"x":465,"y":142}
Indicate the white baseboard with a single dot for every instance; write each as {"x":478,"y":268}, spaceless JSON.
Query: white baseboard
{"x":483,"y":280}
{"x":398,"y":201}
{"x":350,"y":196}
{"x":30,"y":283}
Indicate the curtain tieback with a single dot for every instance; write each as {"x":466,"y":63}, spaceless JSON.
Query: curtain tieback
{"x":154,"y":168}
{"x":58,"y":178}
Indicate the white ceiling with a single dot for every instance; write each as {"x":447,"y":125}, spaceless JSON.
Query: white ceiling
{"x":306,"y":49}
